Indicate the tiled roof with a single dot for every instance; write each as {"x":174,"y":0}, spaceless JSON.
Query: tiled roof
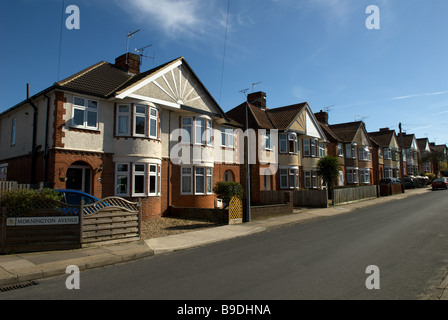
{"x":278,"y":118}
{"x":282,"y":117}
{"x":422,"y":143}
{"x":346,"y":131}
{"x":382,"y":138}
{"x":101,"y":79}
{"x":407,"y":140}
{"x":330,"y":134}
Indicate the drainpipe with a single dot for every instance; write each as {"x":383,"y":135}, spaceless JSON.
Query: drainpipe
{"x":34,"y":147}
{"x":46,"y":140}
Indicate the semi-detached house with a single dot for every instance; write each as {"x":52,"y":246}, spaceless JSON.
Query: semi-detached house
{"x":110,"y":130}
{"x":294,"y":149}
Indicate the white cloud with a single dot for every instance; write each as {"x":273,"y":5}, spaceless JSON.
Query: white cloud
{"x":176,"y":18}
{"x":420,"y":95}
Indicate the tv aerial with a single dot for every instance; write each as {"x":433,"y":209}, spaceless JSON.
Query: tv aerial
{"x":141,"y":53}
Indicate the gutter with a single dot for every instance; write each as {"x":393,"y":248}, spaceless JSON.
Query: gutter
{"x":34,"y":147}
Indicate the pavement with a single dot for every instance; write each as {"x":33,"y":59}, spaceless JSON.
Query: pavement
{"x":23,"y":269}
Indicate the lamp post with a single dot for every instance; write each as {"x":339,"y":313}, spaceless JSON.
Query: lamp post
{"x":247,"y":213}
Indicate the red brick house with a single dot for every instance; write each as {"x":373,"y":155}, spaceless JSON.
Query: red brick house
{"x":110,"y":129}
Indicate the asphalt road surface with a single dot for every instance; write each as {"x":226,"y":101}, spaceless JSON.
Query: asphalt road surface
{"x":405,"y":241}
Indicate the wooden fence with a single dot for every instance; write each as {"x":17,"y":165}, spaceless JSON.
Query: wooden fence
{"x":311,"y":198}
{"x":110,"y":219}
{"x":58,"y":226}
{"x":346,"y":195}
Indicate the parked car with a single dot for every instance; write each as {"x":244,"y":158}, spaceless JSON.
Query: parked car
{"x":441,"y":183}
{"x":390,"y":181}
{"x":409,"y":183}
{"x":74,"y":197}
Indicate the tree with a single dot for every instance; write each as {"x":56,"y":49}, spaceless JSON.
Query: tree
{"x":328,"y":169}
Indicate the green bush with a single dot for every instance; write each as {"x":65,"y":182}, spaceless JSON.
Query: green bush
{"x":226,"y":190}
{"x":22,"y":202}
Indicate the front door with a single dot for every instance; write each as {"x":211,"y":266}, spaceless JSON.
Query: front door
{"x":79,"y":178}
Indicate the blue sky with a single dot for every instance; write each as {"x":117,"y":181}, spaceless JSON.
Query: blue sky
{"x":318,"y":51}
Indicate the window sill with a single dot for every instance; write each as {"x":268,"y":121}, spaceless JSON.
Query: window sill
{"x":85,"y":130}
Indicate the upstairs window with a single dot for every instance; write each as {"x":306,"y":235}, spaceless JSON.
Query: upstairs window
{"x":153,"y":122}
{"x":85,"y":113}
{"x":123,"y":119}
{"x":227,"y":137}
{"x":140,"y":121}
{"x":340,"y":150}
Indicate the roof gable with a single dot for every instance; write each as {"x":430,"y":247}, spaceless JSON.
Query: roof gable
{"x":174,"y":85}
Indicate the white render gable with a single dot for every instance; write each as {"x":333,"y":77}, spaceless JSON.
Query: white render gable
{"x":173,"y":86}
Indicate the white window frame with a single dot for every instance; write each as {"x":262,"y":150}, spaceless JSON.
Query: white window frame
{"x":154,"y":174}
{"x":364,"y":154}
{"x":204,"y":177}
{"x":364,"y":176}
{"x":86,"y":109}
{"x":322,"y":151}
{"x":153,"y":119}
{"x":314,"y":178}
{"x":227,"y":137}
{"x":200,"y":123}
{"x":340,"y":150}
{"x":294,"y":174}
{"x":209,"y":132}
{"x":306,"y":148}
{"x":283,"y":139}
{"x":313,"y":144}
{"x":184,"y":127}
{"x":124,"y":115}
{"x":122,"y":173}
{"x":209,"y":180}
{"x":187,"y":175}
{"x":352,"y":175}
{"x":308,"y":180}
{"x":267,"y":141}
{"x":140,"y":115}
{"x":139,"y":173}
{"x":292,"y":137}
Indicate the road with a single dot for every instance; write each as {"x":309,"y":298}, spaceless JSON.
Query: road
{"x":324,"y":259}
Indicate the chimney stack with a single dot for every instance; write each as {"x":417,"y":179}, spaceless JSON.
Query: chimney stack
{"x":257,"y":99}
{"x":322,"y":116}
{"x":129,"y":62}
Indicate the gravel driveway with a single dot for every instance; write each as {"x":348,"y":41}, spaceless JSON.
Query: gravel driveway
{"x":166,"y":226}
